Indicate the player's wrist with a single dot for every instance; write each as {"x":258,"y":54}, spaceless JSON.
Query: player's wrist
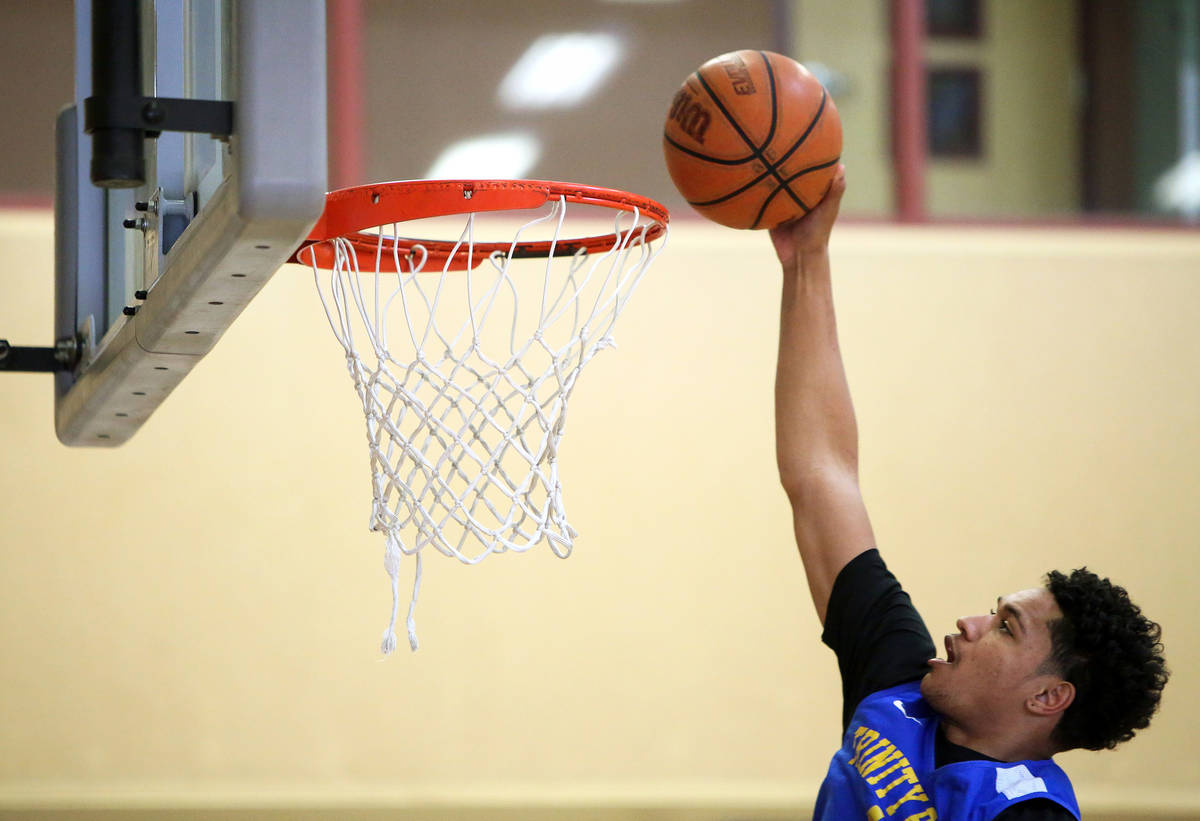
{"x":814,"y":259}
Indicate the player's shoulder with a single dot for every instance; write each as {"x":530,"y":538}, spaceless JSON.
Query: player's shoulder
{"x":1036,"y":809}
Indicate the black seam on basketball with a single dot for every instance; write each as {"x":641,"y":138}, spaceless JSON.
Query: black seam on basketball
{"x":763,"y":209}
{"x":729,"y":117}
{"x":771,"y":168}
{"x":767,"y":201}
{"x":794,"y":195}
{"x":816,"y":119}
{"x":812,"y":168}
{"x":774,"y":99}
{"x":785,"y":185}
{"x":757,"y":150}
{"x":732,"y":194}
{"x":706,"y":157}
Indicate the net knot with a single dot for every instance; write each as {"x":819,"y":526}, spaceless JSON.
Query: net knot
{"x":391,"y":559}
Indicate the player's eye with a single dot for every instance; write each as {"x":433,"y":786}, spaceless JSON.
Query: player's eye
{"x":1003,"y":623}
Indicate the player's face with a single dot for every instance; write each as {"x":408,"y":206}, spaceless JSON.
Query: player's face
{"x":994,"y":664}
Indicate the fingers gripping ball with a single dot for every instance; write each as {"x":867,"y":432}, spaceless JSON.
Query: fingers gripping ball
{"x":752,"y":139}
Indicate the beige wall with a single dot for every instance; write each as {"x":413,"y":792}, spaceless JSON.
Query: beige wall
{"x":191,"y":620}
{"x":852,"y":37}
{"x":1028,"y":56}
{"x":1031,"y":108}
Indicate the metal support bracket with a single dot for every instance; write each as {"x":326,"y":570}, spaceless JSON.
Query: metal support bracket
{"x":64,"y":356}
{"x":154,"y":115}
{"x":118,"y":115}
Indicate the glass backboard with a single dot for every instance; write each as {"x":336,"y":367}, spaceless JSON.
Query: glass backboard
{"x":149,"y":276}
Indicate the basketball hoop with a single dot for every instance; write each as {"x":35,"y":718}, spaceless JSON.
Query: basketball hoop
{"x":464,"y":349}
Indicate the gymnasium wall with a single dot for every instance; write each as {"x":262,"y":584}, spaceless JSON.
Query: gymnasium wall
{"x":189,"y":624}
{"x":1028,"y":56}
{"x":1028,"y":52}
{"x":1031,"y":99}
{"x":37,"y":75}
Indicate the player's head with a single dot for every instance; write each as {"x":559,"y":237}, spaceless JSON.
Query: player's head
{"x":1110,"y":653}
{"x":994,"y":684}
{"x":1072,"y":664}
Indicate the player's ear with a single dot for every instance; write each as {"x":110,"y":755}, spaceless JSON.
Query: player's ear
{"x":1052,"y":699}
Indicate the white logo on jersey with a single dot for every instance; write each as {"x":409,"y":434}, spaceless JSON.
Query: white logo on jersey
{"x":899,"y":705}
{"x":1017,"y":781}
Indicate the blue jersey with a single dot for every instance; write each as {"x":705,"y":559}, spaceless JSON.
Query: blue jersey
{"x":885,"y":769}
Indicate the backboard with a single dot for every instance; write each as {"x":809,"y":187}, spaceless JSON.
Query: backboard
{"x":151,"y":272}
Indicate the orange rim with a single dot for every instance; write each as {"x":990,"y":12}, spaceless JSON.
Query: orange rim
{"x":351,"y":211}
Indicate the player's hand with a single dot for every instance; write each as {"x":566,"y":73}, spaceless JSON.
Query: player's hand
{"x":810,"y":233}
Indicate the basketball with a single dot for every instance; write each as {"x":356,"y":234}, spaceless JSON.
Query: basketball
{"x":752,"y":139}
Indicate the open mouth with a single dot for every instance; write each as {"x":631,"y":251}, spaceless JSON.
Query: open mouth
{"x":951,"y":656}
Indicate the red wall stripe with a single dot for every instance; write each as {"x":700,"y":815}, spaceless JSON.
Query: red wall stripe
{"x":908,"y":109}
{"x":347,"y":93}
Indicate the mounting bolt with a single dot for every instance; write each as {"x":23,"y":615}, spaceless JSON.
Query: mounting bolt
{"x":129,"y":310}
{"x":139,"y":224}
{"x":141,"y":295}
{"x":141,"y":206}
{"x":67,"y":352}
{"x":153,"y":113}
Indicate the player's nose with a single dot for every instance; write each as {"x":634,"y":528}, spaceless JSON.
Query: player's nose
{"x":971,"y":626}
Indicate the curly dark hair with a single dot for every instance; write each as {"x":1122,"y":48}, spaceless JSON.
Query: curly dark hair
{"x":1111,"y":653}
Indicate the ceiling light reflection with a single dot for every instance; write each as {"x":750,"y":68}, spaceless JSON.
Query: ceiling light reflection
{"x":490,"y":156}
{"x":560,"y":70}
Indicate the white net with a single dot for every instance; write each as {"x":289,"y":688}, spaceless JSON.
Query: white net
{"x":465,"y":376}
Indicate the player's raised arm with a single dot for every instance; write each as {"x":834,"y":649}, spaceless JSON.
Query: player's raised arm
{"x":815,"y":430}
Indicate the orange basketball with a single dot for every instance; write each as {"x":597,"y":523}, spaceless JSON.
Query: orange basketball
{"x":752,"y":139}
